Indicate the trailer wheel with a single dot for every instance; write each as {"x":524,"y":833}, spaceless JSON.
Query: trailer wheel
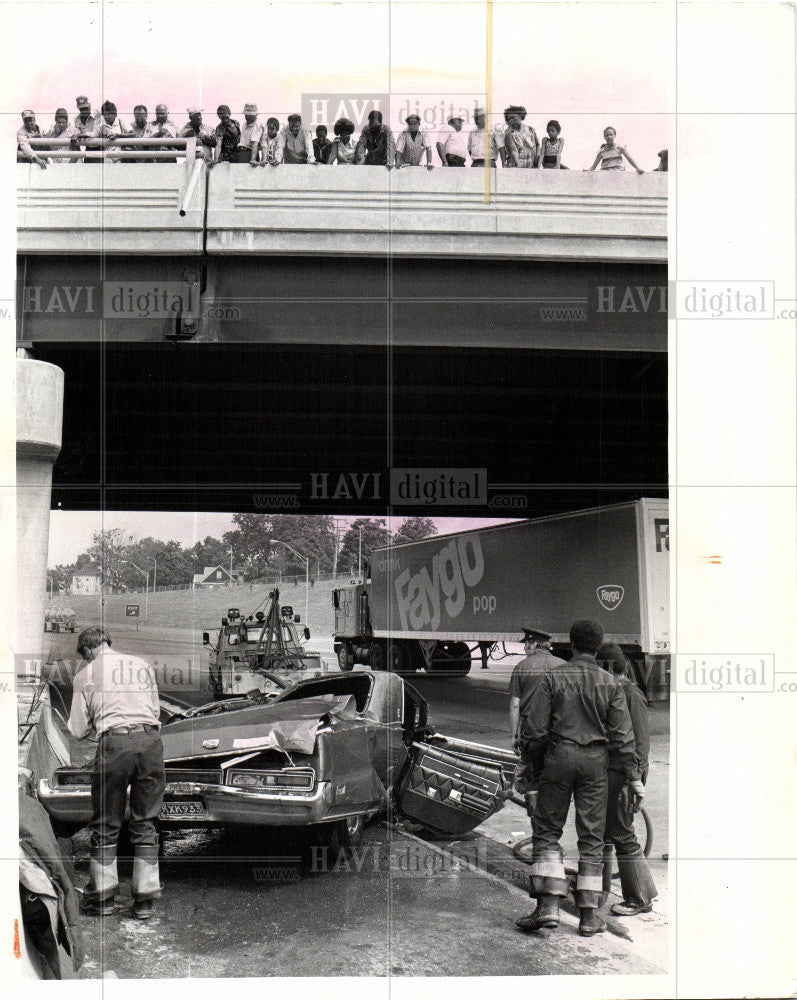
{"x":451,"y":658}
{"x":345,"y":656}
{"x":401,"y":661}
{"x":376,"y":656}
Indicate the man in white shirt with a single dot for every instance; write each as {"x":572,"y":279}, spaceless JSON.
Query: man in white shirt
{"x":295,"y":142}
{"x":116,"y":696}
{"x":250,"y":134}
{"x":30,"y":130}
{"x":452,"y":146}
{"x":478,"y":139}
{"x":84,"y":119}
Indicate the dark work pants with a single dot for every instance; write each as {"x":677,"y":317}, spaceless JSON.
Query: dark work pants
{"x":578,"y":773}
{"x":452,"y":160}
{"x":636,"y":880}
{"x":134,"y":761}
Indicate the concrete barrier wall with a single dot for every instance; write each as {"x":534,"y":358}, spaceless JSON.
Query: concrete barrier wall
{"x":80,"y":208}
{"x":298,"y":209}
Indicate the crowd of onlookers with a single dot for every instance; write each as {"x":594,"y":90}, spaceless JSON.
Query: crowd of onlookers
{"x":512,"y":142}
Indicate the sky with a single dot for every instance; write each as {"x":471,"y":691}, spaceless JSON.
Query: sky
{"x":588,"y":65}
{"x":71,"y":531}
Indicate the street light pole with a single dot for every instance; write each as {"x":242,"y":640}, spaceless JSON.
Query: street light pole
{"x":277,"y":541}
{"x":155,"y":575}
{"x":230,"y":551}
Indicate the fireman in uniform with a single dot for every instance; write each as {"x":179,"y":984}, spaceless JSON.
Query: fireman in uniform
{"x":636,"y":881}
{"x":116,"y":697}
{"x":576,"y":716}
{"x":525,"y":676}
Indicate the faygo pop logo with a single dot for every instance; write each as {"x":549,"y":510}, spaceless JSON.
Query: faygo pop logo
{"x":610,"y":595}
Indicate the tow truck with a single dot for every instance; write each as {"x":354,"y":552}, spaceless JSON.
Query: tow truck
{"x":56,"y":619}
{"x":261,"y":652}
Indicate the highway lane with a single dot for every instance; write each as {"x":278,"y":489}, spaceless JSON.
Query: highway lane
{"x":280,"y":890}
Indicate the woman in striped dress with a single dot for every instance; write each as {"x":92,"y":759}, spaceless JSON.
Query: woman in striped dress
{"x":610,"y":156}
{"x":520,"y":141}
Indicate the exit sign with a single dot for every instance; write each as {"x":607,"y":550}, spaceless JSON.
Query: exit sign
{"x":132,"y":610}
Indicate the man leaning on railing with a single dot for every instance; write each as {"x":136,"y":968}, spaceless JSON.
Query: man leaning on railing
{"x":30,"y":130}
{"x":197,"y":129}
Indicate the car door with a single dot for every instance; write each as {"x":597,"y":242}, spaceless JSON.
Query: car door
{"x":450,"y":786}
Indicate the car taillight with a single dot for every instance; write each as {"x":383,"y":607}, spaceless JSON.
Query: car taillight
{"x":72,"y":777}
{"x":293,"y":780}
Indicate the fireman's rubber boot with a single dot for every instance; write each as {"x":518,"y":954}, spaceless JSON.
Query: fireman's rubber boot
{"x":637,"y":884}
{"x":546,"y":916}
{"x":146,"y":882}
{"x":98,"y":898}
{"x":591,"y":922}
{"x":608,"y":864}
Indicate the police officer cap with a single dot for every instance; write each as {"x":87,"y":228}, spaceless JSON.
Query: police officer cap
{"x":534,"y":635}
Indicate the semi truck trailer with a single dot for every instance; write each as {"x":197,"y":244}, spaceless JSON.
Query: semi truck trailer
{"x":434,"y":603}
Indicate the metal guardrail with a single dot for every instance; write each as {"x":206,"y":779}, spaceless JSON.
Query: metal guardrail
{"x":129,"y":148}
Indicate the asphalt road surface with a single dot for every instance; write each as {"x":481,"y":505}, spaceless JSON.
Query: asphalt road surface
{"x":262,"y":904}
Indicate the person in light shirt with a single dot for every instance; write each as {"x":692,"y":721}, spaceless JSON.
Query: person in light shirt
{"x":452,"y":147}
{"x":268,"y":148}
{"x":250,"y":135}
{"x":342,"y":150}
{"x":520,"y":141}
{"x":140,"y":127}
{"x":296,"y":143}
{"x":30,"y":130}
{"x":84,"y":119}
{"x":61,"y":130}
{"x":477,"y":140}
{"x":115,"y":697}
{"x":412,"y":144}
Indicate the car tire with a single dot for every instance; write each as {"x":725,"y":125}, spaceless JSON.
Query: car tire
{"x":345,"y":656}
{"x":353,"y":829}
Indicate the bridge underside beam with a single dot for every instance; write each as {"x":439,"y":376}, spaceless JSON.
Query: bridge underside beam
{"x":367,"y":301}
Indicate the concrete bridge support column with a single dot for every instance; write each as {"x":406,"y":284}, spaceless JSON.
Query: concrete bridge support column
{"x":40,"y":405}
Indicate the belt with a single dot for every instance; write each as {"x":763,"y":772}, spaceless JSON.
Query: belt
{"x":139,"y":727}
{"x":584,"y":746}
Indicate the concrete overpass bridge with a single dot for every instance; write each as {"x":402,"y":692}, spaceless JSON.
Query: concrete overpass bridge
{"x":228,"y":328}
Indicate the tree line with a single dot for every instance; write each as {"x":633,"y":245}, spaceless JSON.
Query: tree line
{"x":252,"y":549}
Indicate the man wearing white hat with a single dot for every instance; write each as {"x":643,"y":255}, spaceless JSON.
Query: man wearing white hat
{"x":30,"y":130}
{"x":84,"y":120}
{"x":452,"y":146}
{"x":478,"y":139}
{"x":250,"y":133}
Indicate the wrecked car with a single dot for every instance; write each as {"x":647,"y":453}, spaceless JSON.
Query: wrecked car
{"x":328,"y":753}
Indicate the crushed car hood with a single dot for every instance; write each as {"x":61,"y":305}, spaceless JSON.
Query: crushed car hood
{"x":289,"y":726}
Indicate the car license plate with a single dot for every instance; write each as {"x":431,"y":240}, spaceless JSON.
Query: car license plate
{"x":192,"y":809}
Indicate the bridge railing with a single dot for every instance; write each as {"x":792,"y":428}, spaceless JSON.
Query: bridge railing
{"x":122,"y":148}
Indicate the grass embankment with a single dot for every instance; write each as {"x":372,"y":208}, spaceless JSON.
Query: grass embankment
{"x":203,"y":609}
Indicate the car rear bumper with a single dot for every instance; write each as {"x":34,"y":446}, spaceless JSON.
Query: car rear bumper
{"x":223,"y":806}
